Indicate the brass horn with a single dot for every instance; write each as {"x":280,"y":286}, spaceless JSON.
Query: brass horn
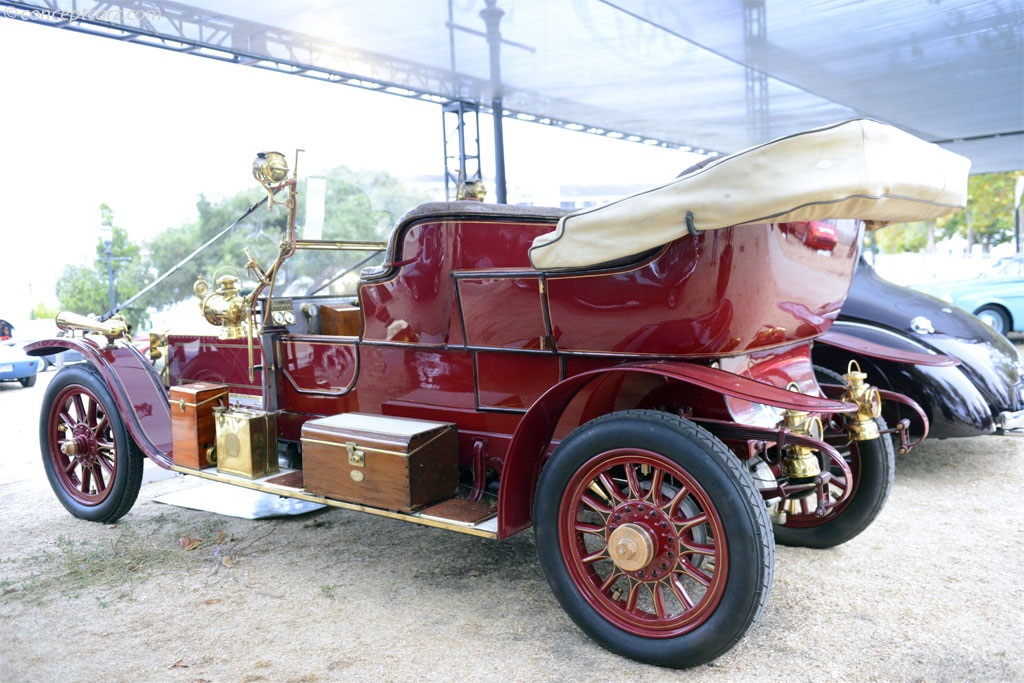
{"x":112,"y":328}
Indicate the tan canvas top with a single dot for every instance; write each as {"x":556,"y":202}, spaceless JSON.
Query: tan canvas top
{"x":859,"y":169}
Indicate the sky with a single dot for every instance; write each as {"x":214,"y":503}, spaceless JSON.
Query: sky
{"x":89,"y":120}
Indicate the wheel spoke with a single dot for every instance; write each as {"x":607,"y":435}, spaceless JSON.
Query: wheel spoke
{"x":697,"y":548}
{"x":634,"y":596}
{"x":610,"y":581}
{"x":65,"y":417}
{"x":100,"y":482}
{"x":595,"y":505}
{"x":91,"y":414}
{"x":86,"y":482}
{"x":687,"y":525}
{"x":102,"y":427}
{"x":682,"y":595}
{"x":636,"y":492}
{"x":657,"y":479}
{"x":79,"y":406}
{"x":676,"y":500}
{"x":658,"y":600}
{"x":693,"y":572}
{"x":587,"y":528}
{"x":611,"y":487}
{"x":72,"y":463}
{"x":106,"y":462}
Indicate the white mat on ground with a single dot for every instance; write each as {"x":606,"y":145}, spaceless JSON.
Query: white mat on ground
{"x":234,"y":501}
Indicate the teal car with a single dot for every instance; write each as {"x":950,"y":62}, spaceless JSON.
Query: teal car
{"x":996,"y":296}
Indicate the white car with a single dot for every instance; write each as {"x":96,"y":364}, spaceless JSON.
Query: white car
{"x":16,"y":366}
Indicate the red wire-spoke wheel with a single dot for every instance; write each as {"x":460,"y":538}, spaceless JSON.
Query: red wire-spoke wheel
{"x":94,"y":467}
{"x":653,"y":538}
{"x":639,"y":539}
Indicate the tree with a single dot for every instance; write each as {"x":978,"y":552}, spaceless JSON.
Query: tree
{"x":358,"y":206}
{"x":894,"y":239}
{"x":85,"y":289}
{"x":988,"y":218}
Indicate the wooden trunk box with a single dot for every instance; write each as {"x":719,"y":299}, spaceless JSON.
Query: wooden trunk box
{"x":193,"y":432}
{"x":386,"y":462}
{"x":246,"y":442}
{"x":340,"y":321}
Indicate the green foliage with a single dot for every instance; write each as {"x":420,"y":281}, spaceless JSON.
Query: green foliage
{"x":358,"y":206}
{"x":904,"y":237}
{"x":261,"y":232}
{"x":988,"y":219}
{"x":85,"y":289}
{"x":44,"y":312}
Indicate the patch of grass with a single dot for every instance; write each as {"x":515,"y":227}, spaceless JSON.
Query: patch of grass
{"x":110,"y":567}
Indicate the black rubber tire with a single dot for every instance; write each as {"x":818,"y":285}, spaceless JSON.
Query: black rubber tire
{"x":875,"y":461}
{"x":124,"y":459}
{"x":739,"y":507}
{"x":998,"y":318}
{"x":28,"y":381}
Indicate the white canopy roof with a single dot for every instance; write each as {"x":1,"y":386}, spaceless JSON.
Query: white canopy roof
{"x":859,"y":169}
{"x":715,"y":76}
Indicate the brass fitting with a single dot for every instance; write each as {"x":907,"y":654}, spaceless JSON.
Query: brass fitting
{"x":112,"y":328}
{"x":861,"y":425}
{"x":226,"y":307}
{"x":801,"y":462}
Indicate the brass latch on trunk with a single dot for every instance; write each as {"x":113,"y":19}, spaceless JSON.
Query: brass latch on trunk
{"x":356,"y":458}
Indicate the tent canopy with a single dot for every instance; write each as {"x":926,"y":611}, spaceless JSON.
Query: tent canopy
{"x":708,"y":76}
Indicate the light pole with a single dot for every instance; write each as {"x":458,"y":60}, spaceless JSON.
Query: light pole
{"x":107,"y":235}
{"x":1018,"y":190}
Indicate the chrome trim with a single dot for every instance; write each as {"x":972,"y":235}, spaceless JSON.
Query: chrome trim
{"x":1011,"y":423}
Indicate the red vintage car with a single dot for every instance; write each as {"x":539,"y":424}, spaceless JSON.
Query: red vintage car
{"x":634,"y":381}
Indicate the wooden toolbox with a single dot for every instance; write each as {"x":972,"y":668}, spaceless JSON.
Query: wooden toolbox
{"x":386,"y":462}
{"x":193,"y":431}
{"x":340,"y":321}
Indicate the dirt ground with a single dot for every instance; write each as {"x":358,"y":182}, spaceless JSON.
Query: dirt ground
{"x":933,"y":591}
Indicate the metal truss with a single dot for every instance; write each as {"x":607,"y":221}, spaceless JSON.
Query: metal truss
{"x":192,"y":30}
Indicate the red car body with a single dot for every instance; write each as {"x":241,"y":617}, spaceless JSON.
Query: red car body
{"x":622,"y":400}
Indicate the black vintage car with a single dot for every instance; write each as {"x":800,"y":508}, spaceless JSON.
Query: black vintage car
{"x":984,"y":394}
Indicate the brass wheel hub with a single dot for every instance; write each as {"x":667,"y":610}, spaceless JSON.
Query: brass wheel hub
{"x":81,"y":445}
{"x":631,"y":547}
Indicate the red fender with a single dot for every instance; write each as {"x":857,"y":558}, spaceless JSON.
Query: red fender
{"x":138,"y":392}
{"x":533,"y":434}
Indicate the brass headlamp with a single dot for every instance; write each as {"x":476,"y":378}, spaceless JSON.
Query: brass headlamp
{"x":862,"y":425}
{"x":270,"y":169}
{"x":802,"y":462}
{"x":225,"y":307}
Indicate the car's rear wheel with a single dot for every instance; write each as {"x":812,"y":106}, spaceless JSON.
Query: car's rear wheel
{"x":93,"y":465}
{"x":995,"y":317}
{"x":873,"y":466}
{"x":28,"y":381}
{"x":653,"y":538}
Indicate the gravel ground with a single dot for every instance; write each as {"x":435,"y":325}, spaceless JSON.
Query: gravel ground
{"x":933,"y":591}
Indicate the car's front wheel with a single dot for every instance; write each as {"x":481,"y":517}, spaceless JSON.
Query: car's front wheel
{"x":93,"y":465}
{"x":653,"y":538}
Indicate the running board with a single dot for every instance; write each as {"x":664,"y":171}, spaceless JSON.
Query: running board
{"x":455,"y":514}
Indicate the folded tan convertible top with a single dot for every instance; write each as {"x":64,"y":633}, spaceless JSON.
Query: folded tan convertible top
{"x":858,"y":169}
